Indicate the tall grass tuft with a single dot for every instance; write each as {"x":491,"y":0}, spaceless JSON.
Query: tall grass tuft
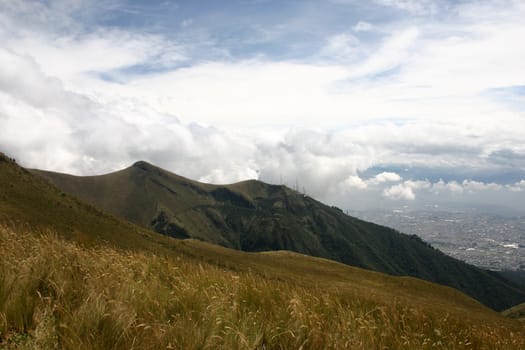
{"x":59,"y":295}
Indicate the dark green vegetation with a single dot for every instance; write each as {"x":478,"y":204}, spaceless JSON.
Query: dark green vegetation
{"x":518,"y":277}
{"x":254,"y":216}
{"x":111,"y":284}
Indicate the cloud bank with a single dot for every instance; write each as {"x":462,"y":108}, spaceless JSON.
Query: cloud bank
{"x":406,"y":110}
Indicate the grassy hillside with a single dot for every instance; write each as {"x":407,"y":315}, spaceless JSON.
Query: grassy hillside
{"x":517,"y":312}
{"x":29,"y":200}
{"x":253,"y":216}
{"x":58,"y":294}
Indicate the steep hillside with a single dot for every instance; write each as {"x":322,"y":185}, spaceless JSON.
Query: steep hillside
{"x":253,"y":216}
{"x":29,"y":200}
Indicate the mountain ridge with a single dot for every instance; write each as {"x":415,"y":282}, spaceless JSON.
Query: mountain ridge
{"x":254,"y":216}
{"x":65,"y":262}
{"x":26,"y":200}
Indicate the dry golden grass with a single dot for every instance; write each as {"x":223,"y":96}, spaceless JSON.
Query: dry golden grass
{"x":59,"y":295}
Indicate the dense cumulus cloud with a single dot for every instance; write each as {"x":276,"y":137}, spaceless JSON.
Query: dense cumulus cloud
{"x":426,"y":110}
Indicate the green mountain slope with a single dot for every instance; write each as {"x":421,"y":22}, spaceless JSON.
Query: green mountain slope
{"x":253,"y":216}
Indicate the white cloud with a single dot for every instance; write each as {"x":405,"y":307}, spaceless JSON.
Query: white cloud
{"x":245,"y":92}
{"x":517,"y":187}
{"x":73,"y":57}
{"x":452,"y":186}
{"x":45,"y":125}
{"x":362,"y":26}
{"x":224,"y":176}
{"x":451,"y":65}
{"x":386,"y":177}
{"x":19,"y":75}
{"x":406,"y":190}
{"x":475,"y":186}
{"x":343,"y":45}
{"x":466,"y":186}
{"x":413,"y":72}
{"x":400,"y":192}
{"x":392,"y":52}
{"x":354,"y":181}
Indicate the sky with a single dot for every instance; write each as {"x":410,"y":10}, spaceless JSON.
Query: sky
{"x":363,"y":104}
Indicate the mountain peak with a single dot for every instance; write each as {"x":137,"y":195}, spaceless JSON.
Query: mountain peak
{"x":141,"y":164}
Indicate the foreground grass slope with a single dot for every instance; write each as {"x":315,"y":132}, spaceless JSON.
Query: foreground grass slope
{"x":254,"y":216}
{"x":59,"y":294}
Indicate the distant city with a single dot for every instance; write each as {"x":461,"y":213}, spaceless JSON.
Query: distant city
{"x":488,"y":241}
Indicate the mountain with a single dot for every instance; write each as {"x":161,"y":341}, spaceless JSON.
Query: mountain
{"x":74,"y":277}
{"x":29,"y":200}
{"x":254,"y":216}
{"x":516,"y":276}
